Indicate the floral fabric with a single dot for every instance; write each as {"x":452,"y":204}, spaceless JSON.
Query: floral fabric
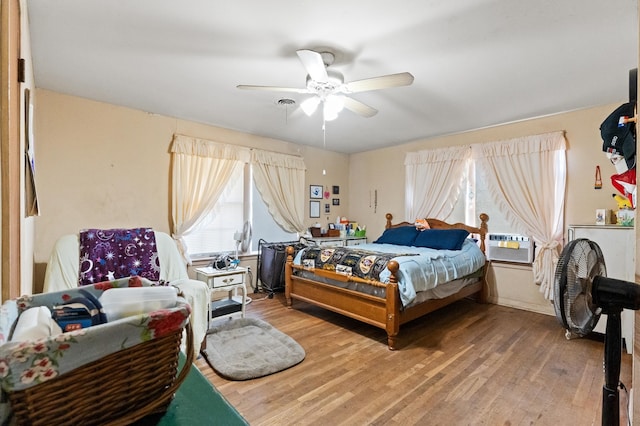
{"x":28,"y":363}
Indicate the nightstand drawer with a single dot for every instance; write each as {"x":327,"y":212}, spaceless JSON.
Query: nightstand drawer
{"x":226,"y":280}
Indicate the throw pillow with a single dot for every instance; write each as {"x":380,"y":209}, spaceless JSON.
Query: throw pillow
{"x":402,"y":236}
{"x":441,"y":239}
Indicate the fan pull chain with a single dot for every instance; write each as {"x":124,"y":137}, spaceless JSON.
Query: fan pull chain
{"x":324,"y":139}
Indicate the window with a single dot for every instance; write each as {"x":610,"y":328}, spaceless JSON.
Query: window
{"x":240,"y":202}
{"x":474,"y":199}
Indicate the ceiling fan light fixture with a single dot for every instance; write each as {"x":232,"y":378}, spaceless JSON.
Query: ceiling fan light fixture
{"x":333,"y":104}
{"x":310,"y":105}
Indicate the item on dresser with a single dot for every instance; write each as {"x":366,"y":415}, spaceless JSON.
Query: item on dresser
{"x":408,"y":286}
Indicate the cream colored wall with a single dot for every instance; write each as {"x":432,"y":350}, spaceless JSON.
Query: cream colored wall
{"x":512,"y":286}
{"x":101,"y":165}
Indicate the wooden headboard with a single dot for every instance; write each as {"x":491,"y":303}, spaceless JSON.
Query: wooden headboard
{"x":480,"y":231}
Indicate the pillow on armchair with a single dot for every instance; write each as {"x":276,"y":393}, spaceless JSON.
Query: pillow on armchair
{"x":63,"y":272}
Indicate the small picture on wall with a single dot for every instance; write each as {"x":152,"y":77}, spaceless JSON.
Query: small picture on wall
{"x":336,"y":189}
{"x":327,"y":208}
{"x":315,"y":191}
{"x":336,"y":201}
{"x":314,"y":208}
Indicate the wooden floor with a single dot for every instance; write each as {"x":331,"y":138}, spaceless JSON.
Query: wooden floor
{"x":467,"y":364}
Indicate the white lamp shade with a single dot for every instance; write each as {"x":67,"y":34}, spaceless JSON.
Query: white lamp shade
{"x":310,"y":105}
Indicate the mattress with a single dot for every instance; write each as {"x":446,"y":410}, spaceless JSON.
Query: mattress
{"x":422,"y":270}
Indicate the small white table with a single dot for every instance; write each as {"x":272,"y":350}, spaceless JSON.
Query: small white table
{"x":228,"y":280}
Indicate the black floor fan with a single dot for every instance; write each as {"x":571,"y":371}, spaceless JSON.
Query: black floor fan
{"x":582,"y":292}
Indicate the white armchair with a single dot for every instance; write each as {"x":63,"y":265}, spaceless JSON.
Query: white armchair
{"x":63,"y":270}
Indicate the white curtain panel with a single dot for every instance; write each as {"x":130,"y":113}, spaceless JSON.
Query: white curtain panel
{"x":280,"y":181}
{"x":432,"y":181}
{"x":200,"y":171}
{"x":527,"y":179}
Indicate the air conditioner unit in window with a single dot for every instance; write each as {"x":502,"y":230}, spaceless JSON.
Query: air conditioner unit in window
{"x":510,"y":248}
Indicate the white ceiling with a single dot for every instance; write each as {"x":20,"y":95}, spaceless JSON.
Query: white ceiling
{"x":476,"y":63}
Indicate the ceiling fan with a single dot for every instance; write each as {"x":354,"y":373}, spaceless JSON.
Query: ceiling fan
{"x":329,"y":87}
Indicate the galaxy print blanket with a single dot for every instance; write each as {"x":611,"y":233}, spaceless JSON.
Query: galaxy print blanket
{"x":108,"y":254}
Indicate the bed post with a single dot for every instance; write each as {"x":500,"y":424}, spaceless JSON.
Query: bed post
{"x":483,"y":296}
{"x":389,"y":217}
{"x":393,"y":305}
{"x":484,"y":218}
{"x":287,"y":275}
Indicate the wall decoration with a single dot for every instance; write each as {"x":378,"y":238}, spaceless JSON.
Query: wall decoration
{"x":336,"y":190}
{"x":598,"y":182}
{"x":315,"y":191}
{"x":314,"y":208}
{"x":31,"y":197}
{"x":336,"y":201}
{"x":327,"y":208}
{"x":327,"y":194}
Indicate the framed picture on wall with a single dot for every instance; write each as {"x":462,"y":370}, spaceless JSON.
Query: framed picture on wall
{"x":314,"y":208}
{"x":327,"y":208}
{"x":336,"y":201}
{"x":336,"y":190}
{"x":315,"y":191}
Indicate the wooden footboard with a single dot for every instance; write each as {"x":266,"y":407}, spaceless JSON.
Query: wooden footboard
{"x":385,"y":313}
{"x":380,"y":312}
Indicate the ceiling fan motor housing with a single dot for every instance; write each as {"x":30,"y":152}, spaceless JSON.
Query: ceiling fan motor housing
{"x":326,"y":88}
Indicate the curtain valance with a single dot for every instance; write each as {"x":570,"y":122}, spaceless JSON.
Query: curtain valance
{"x":205,"y":148}
{"x":554,"y":141}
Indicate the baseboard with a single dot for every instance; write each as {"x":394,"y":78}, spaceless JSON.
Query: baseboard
{"x":517,"y":304}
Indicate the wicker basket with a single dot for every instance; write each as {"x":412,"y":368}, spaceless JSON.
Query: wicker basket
{"x":117,"y":389}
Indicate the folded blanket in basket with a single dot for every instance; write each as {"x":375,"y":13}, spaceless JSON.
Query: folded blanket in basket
{"x":28,"y":363}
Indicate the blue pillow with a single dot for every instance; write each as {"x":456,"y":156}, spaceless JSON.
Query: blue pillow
{"x":441,"y":239}
{"x":401,"y":236}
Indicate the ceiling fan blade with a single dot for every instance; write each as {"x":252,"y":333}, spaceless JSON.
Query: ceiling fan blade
{"x":272,"y":88}
{"x":314,"y":65}
{"x":376,"y":83}
{"x":359,"y":108}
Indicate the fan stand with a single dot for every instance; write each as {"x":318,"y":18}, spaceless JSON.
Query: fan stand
{"x":612,"y":358}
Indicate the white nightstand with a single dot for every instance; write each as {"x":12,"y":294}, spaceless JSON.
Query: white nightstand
{"x":227,"y":280}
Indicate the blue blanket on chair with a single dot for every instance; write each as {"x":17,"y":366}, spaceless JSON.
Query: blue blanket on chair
{"x":108,"y":254}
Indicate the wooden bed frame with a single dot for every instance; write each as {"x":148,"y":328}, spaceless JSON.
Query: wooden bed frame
{"x":385,"y":313}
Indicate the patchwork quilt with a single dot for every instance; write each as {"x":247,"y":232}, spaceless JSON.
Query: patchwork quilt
{"x":365,"y":264}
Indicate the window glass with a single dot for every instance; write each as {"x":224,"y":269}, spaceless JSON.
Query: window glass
{"x":264,"y":227}
{"x":475,"y":199}
{"x":215,"y":234}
